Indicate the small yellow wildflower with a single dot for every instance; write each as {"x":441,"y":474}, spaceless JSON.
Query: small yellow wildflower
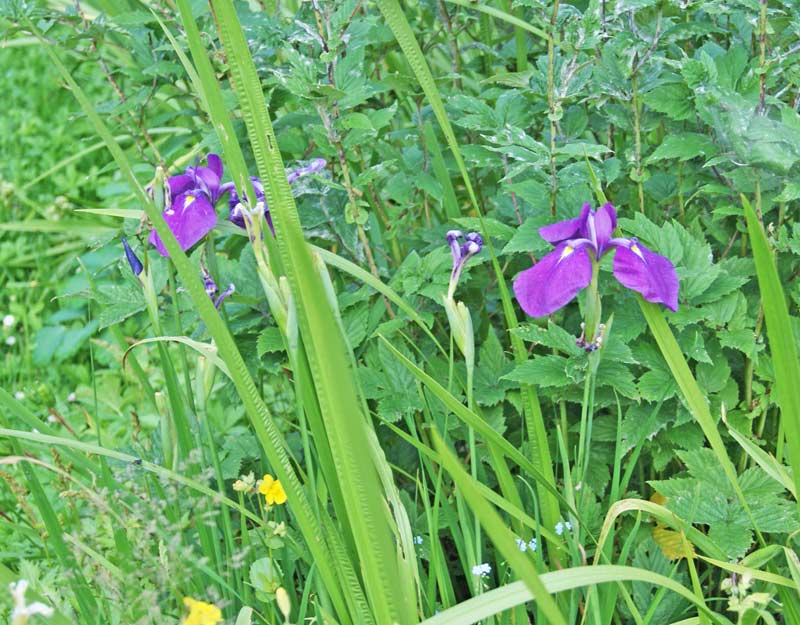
{"x":272,"y":490}
{"x":201,"y":613}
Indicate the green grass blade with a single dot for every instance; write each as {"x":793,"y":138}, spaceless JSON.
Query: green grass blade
{"x":782,"y":342}
{"x":267,"y":432}
{"x":537,"y":433}
{"x":501,"y":15}
{"x":326,"y":348}
{"x":502,"y":537}
{"x":692,"y":394}
{"x":514,"y":594}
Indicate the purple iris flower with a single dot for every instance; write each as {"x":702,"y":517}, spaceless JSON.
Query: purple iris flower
{"x":234,"y":202}
{"x":558,"y":277}
{"x":472,"y":244}
{"x":192,"y":195}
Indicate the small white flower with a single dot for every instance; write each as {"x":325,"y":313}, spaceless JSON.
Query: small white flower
{"x":22,"y":612}
{"x":521,"y":544}
{"x":482,"y":570}
{"x":51,"y":419}
{"x":19,"y":395}
{"x":72,"y":397}
{"x":417,"y":540}
{"x":559,"y":528}
{"x":11,"y":340}
{"x":9,"y":321}
{"x":533,"y":544}
{"x":568,"y":525}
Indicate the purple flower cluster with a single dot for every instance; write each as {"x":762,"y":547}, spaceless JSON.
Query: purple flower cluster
{"x":580,"y":243}
{"x":191,"y":212}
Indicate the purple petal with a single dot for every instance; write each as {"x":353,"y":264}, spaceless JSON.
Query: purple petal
{"x":215,"y":164}
{"x":180,"y":184}
{"x":648,"y":273}
{"x":554,"y":280}
{"x":569,"y":229}
{"x":605,"y":221}
{"x":191,"y":217}
{"x":208,"y":178}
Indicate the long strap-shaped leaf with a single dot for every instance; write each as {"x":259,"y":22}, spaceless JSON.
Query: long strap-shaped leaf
{"x":693,"y":395}
{"x":514,"y":594}
{"x":268,"y":434}
{"x":334,"y":379}
{"x":502,"y":537}
{"x":540,"y":452}
{"x":782,"y":342}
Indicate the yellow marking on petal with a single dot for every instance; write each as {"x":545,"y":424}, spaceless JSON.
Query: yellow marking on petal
{"x":567,"y":251}
{"x":188,"y":201}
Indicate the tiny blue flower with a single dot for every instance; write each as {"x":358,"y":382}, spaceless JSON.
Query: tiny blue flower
{"x":533,"y":544}
{"x":417,"y":540}
{"x":560,"y":528}
{"x":482,"y":570}
{"x":521,"y":544}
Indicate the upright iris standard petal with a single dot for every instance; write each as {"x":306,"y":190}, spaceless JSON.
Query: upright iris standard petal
{"x":646,"y":272}
{"x":605,"y":221}
{"x":191,"y":217}
{"x":209,"y":177}
{"x":554,"y":281}
{"x":569,"y":229}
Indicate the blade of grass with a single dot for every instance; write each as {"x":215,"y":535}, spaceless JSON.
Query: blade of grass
{"x":516,"y":593}
{"x":266,"y":430}
{"x":501,"y":536}
{"x":537,"y":433}
{"x":385,"y":576}
{"x":782,"y":342}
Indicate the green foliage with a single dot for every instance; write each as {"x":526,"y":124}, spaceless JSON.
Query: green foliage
{"x":494,"y":117}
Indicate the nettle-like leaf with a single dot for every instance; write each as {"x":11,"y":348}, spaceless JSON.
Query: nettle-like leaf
{"x":706,"y":497}
{"x":490,"y":387}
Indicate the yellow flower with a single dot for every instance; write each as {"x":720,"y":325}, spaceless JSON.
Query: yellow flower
{"x":272,"y":490}
{"x":201,"y":613}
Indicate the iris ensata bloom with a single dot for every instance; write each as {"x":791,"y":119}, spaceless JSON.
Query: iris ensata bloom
{"x":462,"y":252}
{"x":236,"y":207}
{"x":560,"y":275}
{"x":192,"y":195}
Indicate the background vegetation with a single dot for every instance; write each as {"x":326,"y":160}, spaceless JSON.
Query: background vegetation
{"x":649,"y":482}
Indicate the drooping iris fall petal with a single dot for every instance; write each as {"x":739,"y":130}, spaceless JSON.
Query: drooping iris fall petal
{"x":190,"y":217}
{"x":554,"y":281}
{"x":648,"y":273}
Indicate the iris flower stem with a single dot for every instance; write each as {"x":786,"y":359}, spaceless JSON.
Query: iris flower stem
{"x":637,"y":133}
{"x":551,"y":105}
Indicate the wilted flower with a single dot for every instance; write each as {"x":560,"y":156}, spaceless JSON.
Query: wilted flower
{"x":272,"y":490}
{"x":211,"y":287}
{"x":192,"y":195}
{"x":245,"y":483}
{"x":482,"y":570}
{"x":236,"y":206}
{"x":580,"y":243}
{"x":22,"y":612}
{"x":201,"y":613}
